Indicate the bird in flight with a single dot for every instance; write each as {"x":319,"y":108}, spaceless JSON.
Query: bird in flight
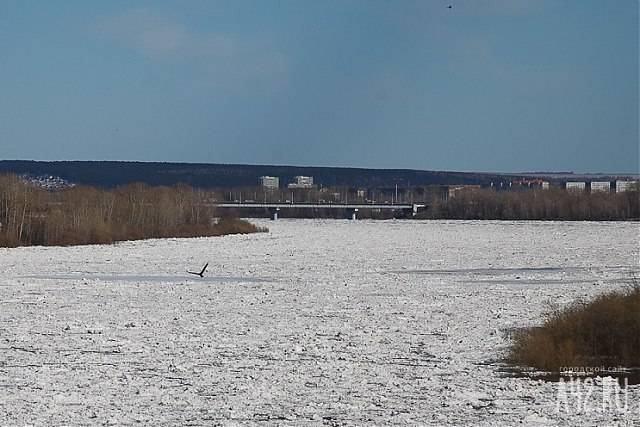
{"x":201,"y":273}
{"x":450,"y":7}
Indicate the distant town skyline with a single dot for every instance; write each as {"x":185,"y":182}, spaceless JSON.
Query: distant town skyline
{"x":486,"y":85}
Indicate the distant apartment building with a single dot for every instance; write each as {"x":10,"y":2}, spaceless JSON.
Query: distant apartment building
{"x":301,"y":182}
{"x":600,"y":186}
{"x":622,"y":186}
{"x":575,"y":185}
{"x":270,"y":182}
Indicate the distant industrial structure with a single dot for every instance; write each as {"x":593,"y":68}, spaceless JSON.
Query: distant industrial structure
{"x":301,"y":182}
{"x":270,"y":182}
{"x":452,"y":190}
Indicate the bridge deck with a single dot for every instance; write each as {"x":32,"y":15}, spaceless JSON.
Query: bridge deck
{"x":318,"y":205}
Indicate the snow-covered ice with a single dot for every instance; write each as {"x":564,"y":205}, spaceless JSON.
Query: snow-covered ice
{"x":316,"y":322}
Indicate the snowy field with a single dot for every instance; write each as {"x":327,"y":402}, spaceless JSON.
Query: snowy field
{"x":318,"y":322}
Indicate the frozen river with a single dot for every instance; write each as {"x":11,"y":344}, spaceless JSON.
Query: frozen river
{"x":316,"y":322}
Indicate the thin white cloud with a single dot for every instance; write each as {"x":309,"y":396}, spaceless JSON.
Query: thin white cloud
{"x":225,"y":60}
{"x":499,"y":7}
{"x":147,"y":32}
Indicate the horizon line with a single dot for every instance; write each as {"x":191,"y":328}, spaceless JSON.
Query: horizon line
{"x":486,"y":172}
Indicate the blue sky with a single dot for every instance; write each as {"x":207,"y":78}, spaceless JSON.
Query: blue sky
{"x":488,"y":85}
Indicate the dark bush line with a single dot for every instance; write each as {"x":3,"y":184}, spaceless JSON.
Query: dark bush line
{"x":86,"y":215}
{"x":602,"y":332}
{"x":553,"y":204}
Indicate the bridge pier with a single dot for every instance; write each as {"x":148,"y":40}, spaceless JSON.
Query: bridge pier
{"x":274,"y":214}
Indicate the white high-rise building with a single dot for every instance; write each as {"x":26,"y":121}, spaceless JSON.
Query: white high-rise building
{"x":270,"y":182}
{"x":600,"y":186}
{"x":625,"y":185}
{"x":575,"y":186}
{"x":301,"y":182}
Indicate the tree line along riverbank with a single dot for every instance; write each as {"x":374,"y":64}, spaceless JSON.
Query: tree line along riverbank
{"x":552,"y":204}
{"x":86,"y":215}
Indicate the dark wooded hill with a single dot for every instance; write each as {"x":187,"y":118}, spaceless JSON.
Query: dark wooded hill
{"x":113,"y":173}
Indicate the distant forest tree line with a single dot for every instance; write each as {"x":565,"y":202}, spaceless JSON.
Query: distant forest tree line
{"x":84,"y":215}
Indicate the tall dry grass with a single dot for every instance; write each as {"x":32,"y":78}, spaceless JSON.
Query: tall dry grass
{"x":602,"y":332}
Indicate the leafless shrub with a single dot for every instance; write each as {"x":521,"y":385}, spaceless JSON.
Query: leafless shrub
{"x":602,"y":332}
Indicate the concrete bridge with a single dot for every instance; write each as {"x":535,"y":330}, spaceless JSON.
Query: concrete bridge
{"x":352,"y":208}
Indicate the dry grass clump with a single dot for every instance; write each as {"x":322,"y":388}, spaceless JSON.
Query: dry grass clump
{"x":602,"y":332}
{"x":231,"y":225}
